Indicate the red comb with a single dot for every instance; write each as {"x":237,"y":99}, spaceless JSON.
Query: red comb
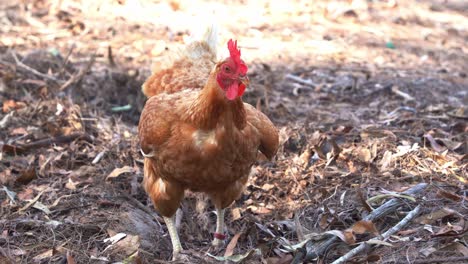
{"x":235,"y":54}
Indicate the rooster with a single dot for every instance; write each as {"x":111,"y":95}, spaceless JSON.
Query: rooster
{"x":197,"y":134}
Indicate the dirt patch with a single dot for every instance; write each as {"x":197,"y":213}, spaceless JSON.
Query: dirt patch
{"x":370,"y":99}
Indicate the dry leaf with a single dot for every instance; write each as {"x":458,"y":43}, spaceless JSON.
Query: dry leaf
{"x":19,"y":131}
{"x":448,"y":195}
{"x":27,"y":176}
{"x":346,"y":236}
{"x":236,"y":213}
{"x":40,"y":206}
{"x":364,"y":154}
{"x":436,"y":146}
{"x":17,"y":252}
{"x":259,"y":210}
{"x":363,"y":226}
{"x":456,"y":246}
{"x":378,"y":242}
{"x":115,"y":238}
{"x":43,"y":255}
{"x":268,"y":186}
{"x":70,"y":259}
{"x":129,"y":244}
{"x":232,"y":244}
{"x":26,"y":194}
{"x":434,"y":216}
{"x":9,"y":105}
{"x":427,"y":251}
{"x":449,"y":230}
{"x":407,"y":232}
{"x":71,"y":185}
{"x":118,"y":171}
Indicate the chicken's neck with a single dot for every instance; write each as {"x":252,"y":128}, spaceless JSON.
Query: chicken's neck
{"x":212,"y":108}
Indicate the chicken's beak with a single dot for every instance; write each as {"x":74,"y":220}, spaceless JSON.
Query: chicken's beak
{"x":244,"y":80}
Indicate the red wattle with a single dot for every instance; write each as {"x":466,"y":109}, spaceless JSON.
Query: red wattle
{"x":233,"y":91}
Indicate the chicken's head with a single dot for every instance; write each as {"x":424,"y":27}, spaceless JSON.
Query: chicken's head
{"x":232,"y":73}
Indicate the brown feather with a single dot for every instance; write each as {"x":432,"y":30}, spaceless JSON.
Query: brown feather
{"x":199,"y":140}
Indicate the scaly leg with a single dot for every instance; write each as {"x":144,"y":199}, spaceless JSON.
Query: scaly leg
{"x":176,"y":246}
{"x":219,"y":233}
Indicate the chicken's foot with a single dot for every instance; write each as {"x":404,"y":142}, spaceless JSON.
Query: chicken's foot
{"x":176,"y":246}
{"x":219,"y":233}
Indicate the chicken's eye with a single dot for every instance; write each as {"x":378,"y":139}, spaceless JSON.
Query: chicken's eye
{"x":227,"y":69}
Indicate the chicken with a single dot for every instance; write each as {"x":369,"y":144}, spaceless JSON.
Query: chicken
{"x":197,"y":134}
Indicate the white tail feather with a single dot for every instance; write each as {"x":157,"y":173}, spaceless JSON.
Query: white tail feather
{"x":193,"y":50}
{"x":207,"y":34}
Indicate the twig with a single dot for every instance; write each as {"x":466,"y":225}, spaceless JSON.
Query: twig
{"x":18,"y":148}
{"x":34,"y":71}
{"x":404,"y":95}
{"x":143,"y":208}
{"x":32,"y":202}
{"x":77,"y":77}
{"x":300,"y":80}
{"x":318,"y":248}
{"x":98,"y":157}
{"x":65,"y":61}
{"x":410,"y":216}
{"x":110,"y":57}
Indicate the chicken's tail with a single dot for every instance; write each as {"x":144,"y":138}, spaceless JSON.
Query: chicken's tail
{"x":203,"y":39}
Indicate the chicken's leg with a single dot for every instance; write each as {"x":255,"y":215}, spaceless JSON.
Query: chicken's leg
{"x":219,"y":233}
{"x":176,"y":246}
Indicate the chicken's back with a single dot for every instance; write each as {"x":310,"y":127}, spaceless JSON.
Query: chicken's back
{"x":189,"y":70}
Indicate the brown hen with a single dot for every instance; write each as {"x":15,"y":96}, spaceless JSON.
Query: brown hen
{"x":196,"y":133}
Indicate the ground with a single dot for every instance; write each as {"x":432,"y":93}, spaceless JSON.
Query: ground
{"x":369,"y":96}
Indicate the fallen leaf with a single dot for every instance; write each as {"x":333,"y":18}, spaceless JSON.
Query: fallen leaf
{"x":19,"y":131}
{"x":452,"y":145}
{"x":407,"y":232}
{"x":363,"y":226}
{"x":259,"y":210}
{"x":345,"y":236}
{"x":114,"y":239}
{"x":71,"y":185}
{"x":9,"y":105}
{"x":232,"y":244}
{"x":456,"y":246}
{"x":32,"y":202}
{"x":27,"y":176}
{"x":364,"y":154}
{"x":70,"y":259}
{"x":386,"y":160}
{"x":118,"y":171}
{"x":449,"y":230}
{"x":434,"y":216}
{"x":43,"y":255}
{"x":128,"y":245}
{"x":373,"y":258}
{"x":268,"y":186}
{"x":448,"y":195}
{"x":378,"y":242}
{"x":83,"y":171}
{"x":436,"y":146}
{"x":11,"y":194}
{"x":236,"y":213}
{"x":17,"y":252}
{"x":40,"y":206}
